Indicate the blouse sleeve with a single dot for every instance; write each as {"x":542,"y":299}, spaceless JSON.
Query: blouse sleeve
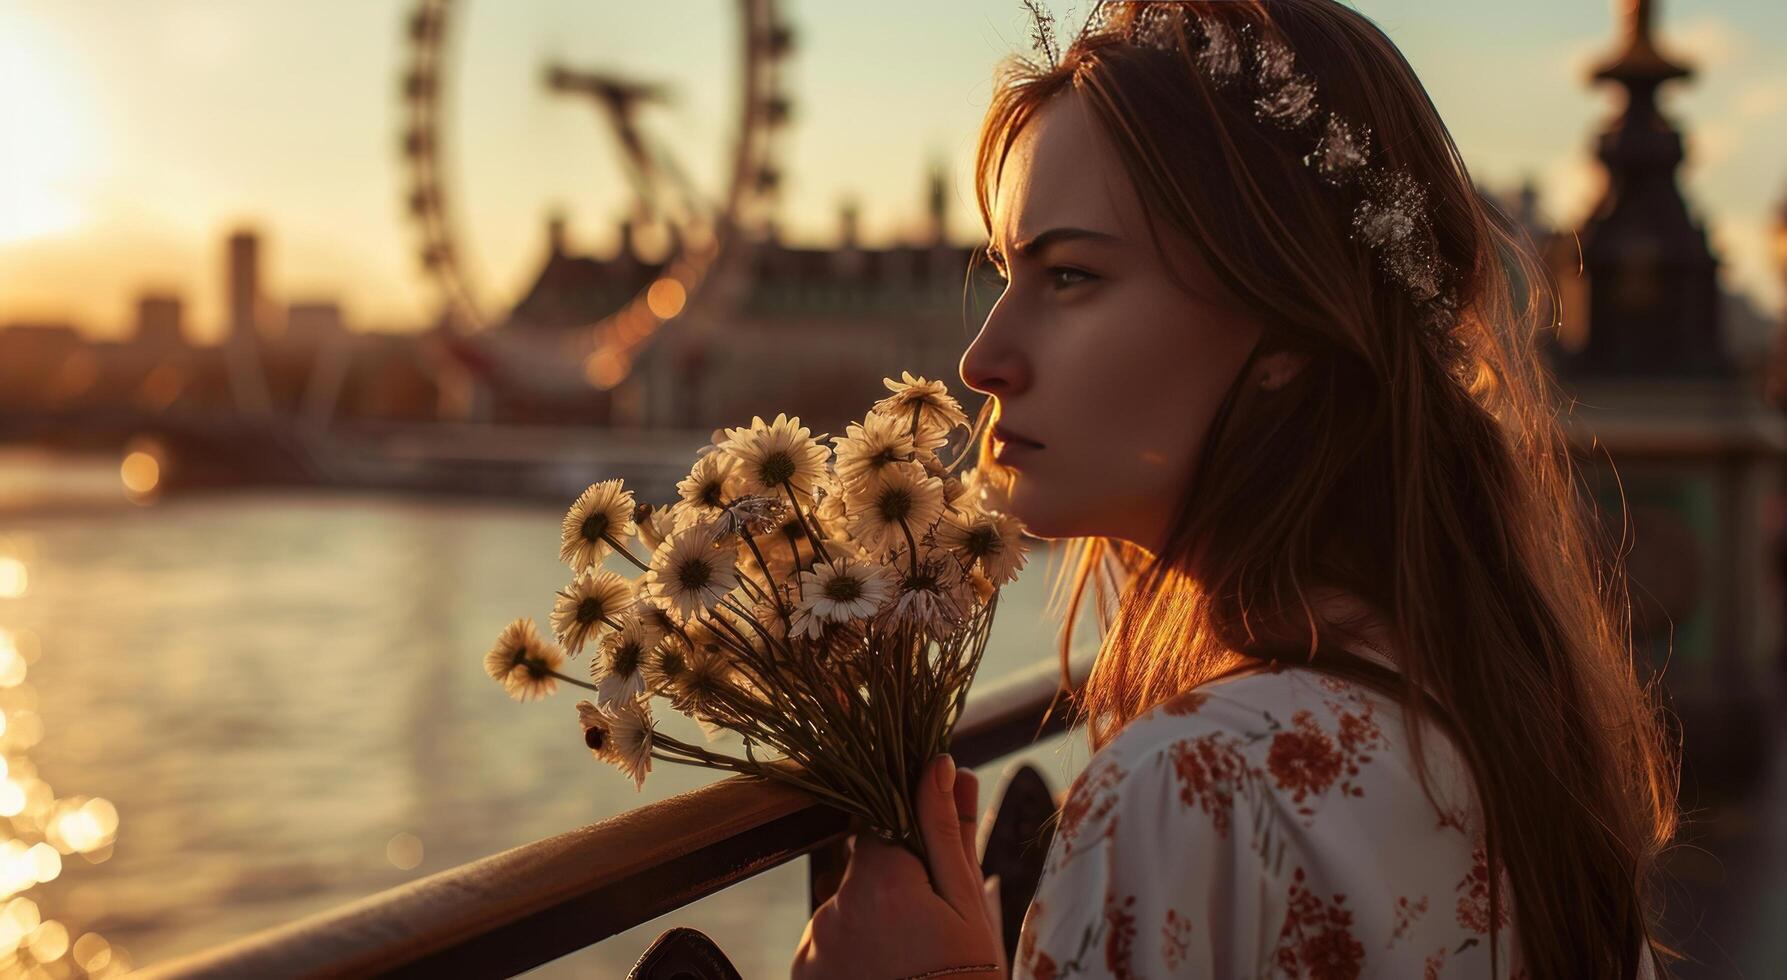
{"x":1158,"y":869}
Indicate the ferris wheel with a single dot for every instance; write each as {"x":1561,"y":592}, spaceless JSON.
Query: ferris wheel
{"x":706,"y":230}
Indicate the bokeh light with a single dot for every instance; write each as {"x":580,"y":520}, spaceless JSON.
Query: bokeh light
{"x":92,"y":953}
{"x":49,"y":942}
{"x":605,"y":368}
{"x":404,"y":851}
{"x":13,"y":579}
{"x":141,"y":473}
{"x":666,"y":298}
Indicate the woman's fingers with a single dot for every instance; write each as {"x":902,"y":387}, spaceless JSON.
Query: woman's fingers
{"x":967,"y":791}
{"x":955,"y":878}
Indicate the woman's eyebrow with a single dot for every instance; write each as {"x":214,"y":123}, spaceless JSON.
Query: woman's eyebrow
{"x":1044,"y":239}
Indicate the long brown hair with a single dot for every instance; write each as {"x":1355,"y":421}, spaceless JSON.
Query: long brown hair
{"x":1450,"y":504}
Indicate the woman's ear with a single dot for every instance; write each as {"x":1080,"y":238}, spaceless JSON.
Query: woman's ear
{"x":1275,"y":370}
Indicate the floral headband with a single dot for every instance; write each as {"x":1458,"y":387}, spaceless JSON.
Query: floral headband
{"x":1390,"y":215}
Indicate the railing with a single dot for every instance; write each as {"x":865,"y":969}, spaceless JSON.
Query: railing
{"x":529,"y":905}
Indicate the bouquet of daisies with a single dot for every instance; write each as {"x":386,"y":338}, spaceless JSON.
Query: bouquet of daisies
{"x":829,"y":606}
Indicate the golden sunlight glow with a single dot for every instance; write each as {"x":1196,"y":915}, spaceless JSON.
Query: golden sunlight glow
{"x":18,"y":920}
{"x":666,"y":298}
{"x":82,"y":827}
{"x":13,"y":579}
{"x":92,"y":952}
{"x":12,"y":799}
{"x":49,"y":942}
{"x":11,"y":666}
{"x":141,"y":473}
{"x":47,"y":137}
{"x":46,"y":862}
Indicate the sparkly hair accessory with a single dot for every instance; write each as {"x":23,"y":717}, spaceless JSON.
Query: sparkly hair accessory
{"x":1390,"y":216}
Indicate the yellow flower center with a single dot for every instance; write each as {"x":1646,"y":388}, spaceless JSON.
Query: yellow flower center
{"x":895,"y":503}
{"x":777,"y":468}
{"x":843,"y":589}
{"x":694,"y":575}
{"x":594,"y":526}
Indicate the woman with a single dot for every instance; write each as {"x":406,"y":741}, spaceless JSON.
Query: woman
{"x":1264,"y":351}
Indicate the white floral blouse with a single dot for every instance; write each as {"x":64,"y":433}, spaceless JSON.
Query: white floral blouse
{"x":1268,"y":826}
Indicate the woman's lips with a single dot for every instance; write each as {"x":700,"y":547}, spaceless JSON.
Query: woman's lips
{"x":1006,"y":435}
{"x":1009,"y":448}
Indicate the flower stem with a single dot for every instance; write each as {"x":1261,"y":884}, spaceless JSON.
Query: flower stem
{"x":622,"y":550}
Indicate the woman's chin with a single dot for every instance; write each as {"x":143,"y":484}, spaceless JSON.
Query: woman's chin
{"x":1043,"y":521}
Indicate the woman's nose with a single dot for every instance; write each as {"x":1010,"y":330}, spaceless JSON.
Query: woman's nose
{"x":992,"y":365}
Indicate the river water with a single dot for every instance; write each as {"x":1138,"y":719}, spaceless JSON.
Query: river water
{"x":282,"y":696}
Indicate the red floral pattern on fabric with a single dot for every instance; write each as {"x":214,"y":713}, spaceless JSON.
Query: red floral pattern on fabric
{"x":1406,"y":914}
{"x":1031,"y":960}
{"x":1090,"y":799}
{"x":1312,"y":775}
{"x":1210,"y":768}
{"x":1473,"y":895}
{"x":1175,"y":939}
{"x":1119,"y":937}
{"x":1317,"y":939}
{"x":1304,"y":760}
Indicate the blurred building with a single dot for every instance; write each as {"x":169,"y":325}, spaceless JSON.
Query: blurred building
{"x":242,"y":342}
{"x":1668,"y":413}
{"x":160,"y":324}
{"x":812,"y":331}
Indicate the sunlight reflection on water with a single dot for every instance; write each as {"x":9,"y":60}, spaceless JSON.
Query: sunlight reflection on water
{"x":283,"y":697}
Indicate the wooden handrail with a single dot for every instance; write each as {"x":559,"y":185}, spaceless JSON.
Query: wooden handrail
{"x":513,"y":911}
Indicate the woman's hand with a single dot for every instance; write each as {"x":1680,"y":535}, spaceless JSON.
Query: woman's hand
{"x":887,"y":921}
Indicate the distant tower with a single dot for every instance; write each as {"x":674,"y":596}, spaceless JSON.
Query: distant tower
{"x":555,"y":234}
{"x":1652,"y":293}
{"x":1681,"y":455}
{"x":244,"y":282}
{"x":242,"y":346}
{"x":938,"y":200}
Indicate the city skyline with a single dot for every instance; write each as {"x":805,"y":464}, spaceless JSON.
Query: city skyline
{"x":114,"y":188}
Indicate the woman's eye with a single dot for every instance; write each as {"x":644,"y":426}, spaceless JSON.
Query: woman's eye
{"x":1062,"y":276}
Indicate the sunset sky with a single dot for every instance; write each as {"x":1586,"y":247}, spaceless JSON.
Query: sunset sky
{"x":134,"y":134}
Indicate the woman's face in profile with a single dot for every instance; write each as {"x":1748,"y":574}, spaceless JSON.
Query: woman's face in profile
{"x":1093,"y":350}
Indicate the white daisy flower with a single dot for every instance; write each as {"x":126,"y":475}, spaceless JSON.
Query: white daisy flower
{"x":712,"y":482}
{"x":706,"y":677}
{"x":690,"y":574}
{"x":523,"y":662}
{"x":937,"y":598}
{"x":898,"y":498}
{"x":866,"y":448}
{"x":843,"y":589}
{"x":596,"y":597}
{"x":994,"y":540}
{"x":630,"y":738}
{"x":618,"y":666}
{"x":603,"y":512}
{"x":665,"y":668}
{"x":937,"y":412}
{"x":771,"y":454}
